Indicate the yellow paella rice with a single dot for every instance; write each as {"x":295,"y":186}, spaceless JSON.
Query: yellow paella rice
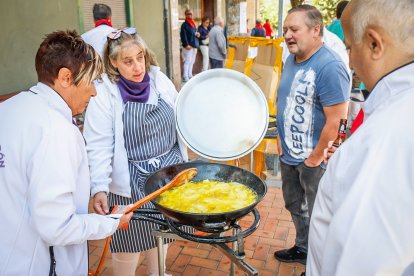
{"x":208,"y":197}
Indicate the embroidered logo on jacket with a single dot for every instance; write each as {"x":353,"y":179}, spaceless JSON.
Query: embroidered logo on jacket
{"x":2,"y":163}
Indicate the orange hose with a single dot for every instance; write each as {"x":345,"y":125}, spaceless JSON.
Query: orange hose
{"x":102,"y":260}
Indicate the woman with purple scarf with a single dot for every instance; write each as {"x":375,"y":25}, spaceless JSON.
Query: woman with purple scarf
{"x":130,"y":133}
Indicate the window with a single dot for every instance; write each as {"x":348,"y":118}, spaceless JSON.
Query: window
{"x":119,"y":17}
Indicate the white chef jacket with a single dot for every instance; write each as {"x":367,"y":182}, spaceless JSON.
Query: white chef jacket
{"x":104,"y":128}
{"x":44,"y":188}
{"x":97,"y":37}
{"x":362,"y":221}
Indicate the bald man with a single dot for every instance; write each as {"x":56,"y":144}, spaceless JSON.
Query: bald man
{"x":362,"y":221}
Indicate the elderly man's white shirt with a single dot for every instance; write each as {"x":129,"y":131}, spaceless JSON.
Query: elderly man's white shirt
{"x":362,"y":222}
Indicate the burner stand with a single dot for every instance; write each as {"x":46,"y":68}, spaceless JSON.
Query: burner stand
{"x":218,"y":240}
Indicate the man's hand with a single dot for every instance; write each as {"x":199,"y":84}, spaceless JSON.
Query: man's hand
{"x":333,"y":114}
{"x":279,"y":146}
{"x":311,"y":162}
{"x":188,"y":47}
{"x":100,"y":203}
{"x":327,"y":152}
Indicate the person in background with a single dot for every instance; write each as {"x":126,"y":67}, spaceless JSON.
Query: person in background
{"x":268,"y":28}
{"x":203,"y":30}
{"x":364,"y":207}
{"x":312,"y":97}
{"x":217,"y":47}
{"x":258,"y":30}
{"x":103,"y":26}
{"x":189,"y":40}
{"x":336,"y":27}
{"x":44,"y":174}
{"x":130,"y":133}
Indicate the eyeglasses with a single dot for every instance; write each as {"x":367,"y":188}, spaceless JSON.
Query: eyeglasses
{"x":117,"y":33}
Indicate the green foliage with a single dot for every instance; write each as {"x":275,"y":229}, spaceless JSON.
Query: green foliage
{"x":328,"y":9}
{"x":295,"y":3}
{"x":268,"y":9}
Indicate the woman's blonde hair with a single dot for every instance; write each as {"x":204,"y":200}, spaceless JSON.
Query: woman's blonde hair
{"x":114,"y":47}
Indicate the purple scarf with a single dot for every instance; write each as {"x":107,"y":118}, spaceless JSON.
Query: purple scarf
{"x":134,"y":91}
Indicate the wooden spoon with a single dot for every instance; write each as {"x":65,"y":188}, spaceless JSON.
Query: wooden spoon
{"x":179,"y":180}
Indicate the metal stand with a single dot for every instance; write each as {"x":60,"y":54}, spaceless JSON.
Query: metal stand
{"x":233,"y":255}
{"x":171,"y":230}
{"x":161,"y":261}
{"x":218,"y":240}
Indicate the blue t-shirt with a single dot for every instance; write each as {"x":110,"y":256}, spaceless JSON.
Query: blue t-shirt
{"x":305,"y":88}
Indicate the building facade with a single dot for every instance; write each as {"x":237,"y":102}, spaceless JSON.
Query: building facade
{"x":26,"y":22}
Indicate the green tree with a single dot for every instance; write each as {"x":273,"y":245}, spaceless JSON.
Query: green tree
{"x":268,"y":9}
{"x":328,"y":9}
{"x":295,"y":3}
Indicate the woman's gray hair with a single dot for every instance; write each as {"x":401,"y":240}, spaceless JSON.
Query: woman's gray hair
{"x":313,"y":16}
{"x":114,"y":47}
{"x":394,"y":17}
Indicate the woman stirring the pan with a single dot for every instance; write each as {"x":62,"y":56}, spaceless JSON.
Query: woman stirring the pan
{"x":130,"y":133}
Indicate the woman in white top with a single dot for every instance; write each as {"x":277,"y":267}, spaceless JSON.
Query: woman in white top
{"x":203,"y":30}
{"x":44,"y":174}
{"x":130,"y":133}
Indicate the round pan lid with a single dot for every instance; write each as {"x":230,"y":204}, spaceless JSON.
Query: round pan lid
{"x":221,"y":114}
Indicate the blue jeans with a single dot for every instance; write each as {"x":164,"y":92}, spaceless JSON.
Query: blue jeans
{"x":215,"y":63}
{"x":299,"y":186}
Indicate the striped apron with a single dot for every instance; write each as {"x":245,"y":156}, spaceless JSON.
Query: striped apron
{"x":151,"y":143}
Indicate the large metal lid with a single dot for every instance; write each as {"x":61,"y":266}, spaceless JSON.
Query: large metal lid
{"x":221,"y":114}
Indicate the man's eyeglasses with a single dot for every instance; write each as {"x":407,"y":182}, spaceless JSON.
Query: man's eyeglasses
{"x":117,"y":33}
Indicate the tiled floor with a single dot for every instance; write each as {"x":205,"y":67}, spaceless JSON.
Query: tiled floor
{"x":276,"y":231}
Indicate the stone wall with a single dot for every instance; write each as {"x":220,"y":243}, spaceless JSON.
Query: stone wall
{"x":233,"y":16}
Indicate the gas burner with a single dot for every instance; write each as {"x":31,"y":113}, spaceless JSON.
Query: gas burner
{"x":217,"y":237}
{"x":171,"y":230}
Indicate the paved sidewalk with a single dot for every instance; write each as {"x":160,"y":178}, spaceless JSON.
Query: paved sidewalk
{"x":276,"y":231}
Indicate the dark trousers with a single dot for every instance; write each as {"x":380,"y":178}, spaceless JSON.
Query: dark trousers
{"x":299,"y":186}
{"x":215,"y":63}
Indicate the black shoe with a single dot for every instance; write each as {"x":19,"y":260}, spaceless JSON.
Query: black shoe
{"x":291,"y":255}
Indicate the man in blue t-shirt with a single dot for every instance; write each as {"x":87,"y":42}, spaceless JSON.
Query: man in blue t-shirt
{"x":312,"y":97}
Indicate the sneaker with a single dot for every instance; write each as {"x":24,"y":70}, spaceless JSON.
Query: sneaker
{"x":291,"y":255}
{"x":185,"y":79}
